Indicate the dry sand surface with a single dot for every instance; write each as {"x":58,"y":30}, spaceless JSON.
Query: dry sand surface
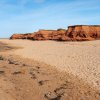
{"x":25,"y":79}
{"x":76,"y":69}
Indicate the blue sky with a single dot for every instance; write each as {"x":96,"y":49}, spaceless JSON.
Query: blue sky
{"x":22,"y":16}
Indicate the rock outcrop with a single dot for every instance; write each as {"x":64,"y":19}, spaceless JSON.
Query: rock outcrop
{"x":74,"y":33}
{"x":59,"y":34}
{"x":43,"y":35}
{"x":16,"y":36}
{"x":83,"y":32}
{"x":22,"y":36}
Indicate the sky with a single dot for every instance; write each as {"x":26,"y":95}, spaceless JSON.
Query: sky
{"x":26,"y":16}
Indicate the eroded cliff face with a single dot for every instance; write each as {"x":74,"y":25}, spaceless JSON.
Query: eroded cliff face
{"x":59,"y":34}
{"x":74,"y":33}
{"x":43,"y":34}
{"x":50,"y":35}
{"x":22,"y":36}
{"x":16,"y":36}
{"x":82,"y":32}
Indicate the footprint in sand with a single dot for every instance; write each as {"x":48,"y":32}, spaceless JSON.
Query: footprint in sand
{"x":42,"y":82}
{"x":2,"y":72}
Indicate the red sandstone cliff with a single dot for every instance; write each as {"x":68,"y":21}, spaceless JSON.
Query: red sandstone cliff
{"x":22,"y":36}
{"x":83,"y":32}
{"x":50,"y":35}
{"x":43,"y":35}
{"x":59,"y":34}
{"x":16,"y":36}
{"x":74,"y":33}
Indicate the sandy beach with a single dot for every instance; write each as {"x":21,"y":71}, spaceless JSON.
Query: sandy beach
{"x":50,"y":70}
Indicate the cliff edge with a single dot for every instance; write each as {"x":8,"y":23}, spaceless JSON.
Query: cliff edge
{"x":74,"y":33}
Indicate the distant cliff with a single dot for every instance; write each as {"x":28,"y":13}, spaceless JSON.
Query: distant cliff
{"x":59,"y":34}
{"x":22,"y":36}
{"x":74,"y":33}
{"x":84,"y":32}
{"x":50,"y":34}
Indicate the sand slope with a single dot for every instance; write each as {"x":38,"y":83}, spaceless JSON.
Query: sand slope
{"x":81,"y":59}
{"x":25,"y":79}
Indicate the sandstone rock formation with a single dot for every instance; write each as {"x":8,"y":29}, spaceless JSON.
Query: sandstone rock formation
{"x":84,"y":32}
{"x":59,"y":34}
{"x":16,"y":36}
{"x":74,"y":33}
{"x":22,"y":36}
{"x":43,"y":34}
